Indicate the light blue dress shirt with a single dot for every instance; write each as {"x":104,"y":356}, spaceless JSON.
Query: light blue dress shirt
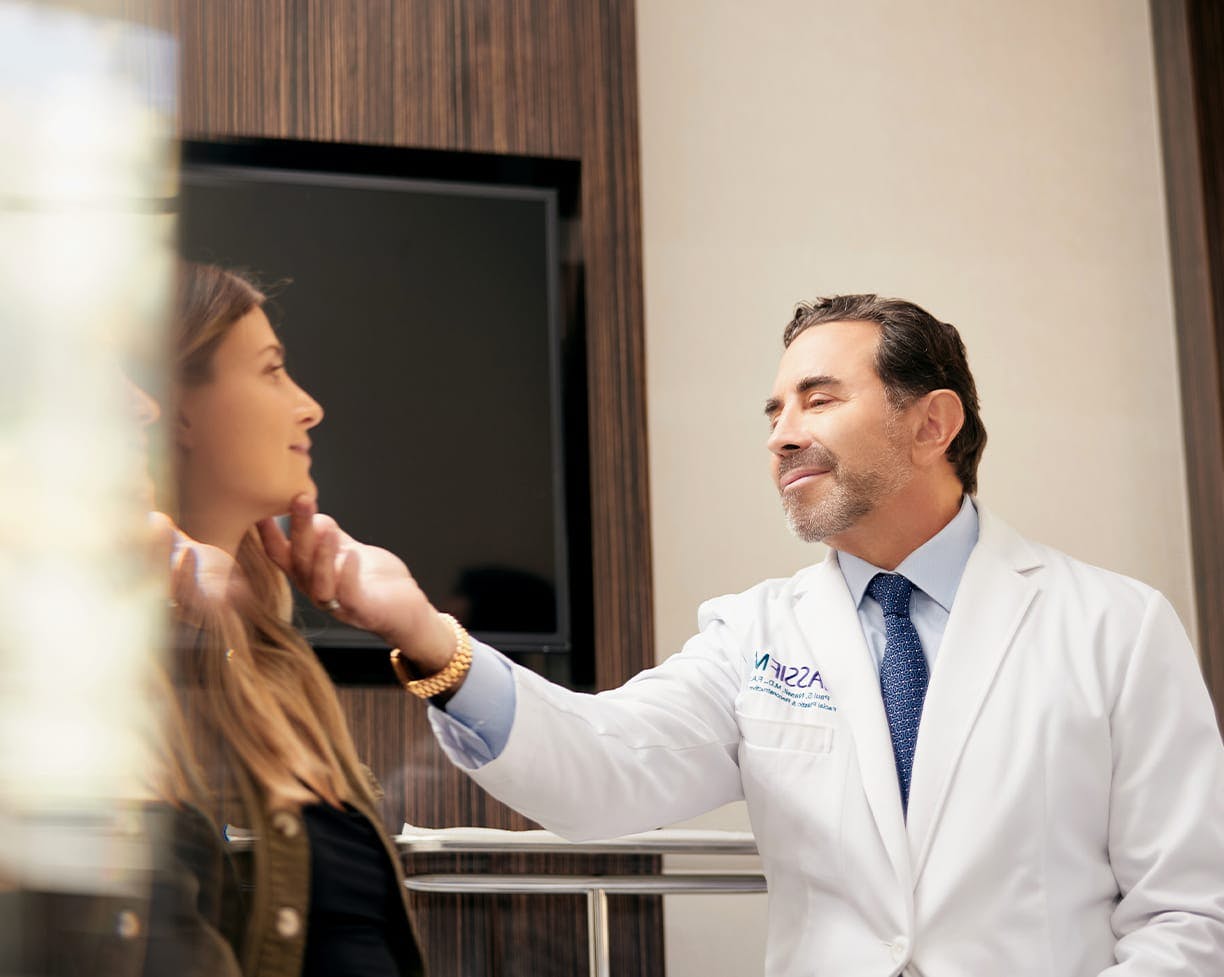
{"x":935,"y":569}
{"x":476,"y":721}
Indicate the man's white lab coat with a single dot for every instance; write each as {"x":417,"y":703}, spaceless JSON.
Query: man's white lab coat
{"x":1066,"y":816}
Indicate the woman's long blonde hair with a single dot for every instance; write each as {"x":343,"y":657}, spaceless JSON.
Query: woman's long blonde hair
{"x":263,"y":691}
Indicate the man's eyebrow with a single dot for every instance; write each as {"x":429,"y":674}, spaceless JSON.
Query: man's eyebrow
{"x":773,"y":405}
{"x":821,"y":380}
{"x":276,"y":348}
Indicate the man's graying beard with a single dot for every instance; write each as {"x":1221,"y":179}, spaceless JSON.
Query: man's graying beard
{"x":848,"y":496}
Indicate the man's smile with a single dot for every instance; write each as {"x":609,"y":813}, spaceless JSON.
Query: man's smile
{"x":799,"y":476}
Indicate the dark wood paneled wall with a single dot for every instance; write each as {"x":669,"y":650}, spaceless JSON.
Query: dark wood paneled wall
{"x":1189,"y":47}
{"x":527,"y":77}
{"x":545,"y":78}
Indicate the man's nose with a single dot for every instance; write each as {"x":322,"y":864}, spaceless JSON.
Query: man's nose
{"x":787,"y":435}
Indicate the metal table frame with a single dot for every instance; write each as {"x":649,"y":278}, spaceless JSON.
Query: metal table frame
{"x":596,"y":888}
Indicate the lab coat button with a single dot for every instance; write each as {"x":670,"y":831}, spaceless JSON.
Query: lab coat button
{"x":897,"y":949}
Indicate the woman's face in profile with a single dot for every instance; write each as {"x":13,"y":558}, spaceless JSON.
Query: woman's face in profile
{"x":243,"y":433}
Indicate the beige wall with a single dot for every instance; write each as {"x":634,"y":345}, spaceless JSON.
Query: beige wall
{"x":997,"y":162}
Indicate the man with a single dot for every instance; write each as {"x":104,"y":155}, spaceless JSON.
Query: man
{"x":964,"y":754}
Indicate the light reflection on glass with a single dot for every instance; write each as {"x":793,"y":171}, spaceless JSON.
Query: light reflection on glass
{"x":87,"y":186}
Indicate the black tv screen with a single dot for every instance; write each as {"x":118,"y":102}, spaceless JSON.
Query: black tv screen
{"x":425,"y":317}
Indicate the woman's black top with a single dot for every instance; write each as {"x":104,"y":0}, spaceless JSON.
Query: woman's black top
{"x":355,"y":911}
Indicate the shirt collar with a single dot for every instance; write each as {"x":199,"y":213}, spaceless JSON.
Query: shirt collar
{"x":935,"y":568}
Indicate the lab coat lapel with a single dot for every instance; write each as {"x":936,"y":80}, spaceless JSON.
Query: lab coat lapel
{"x":827,"y":621}
{"x":991,"y":602}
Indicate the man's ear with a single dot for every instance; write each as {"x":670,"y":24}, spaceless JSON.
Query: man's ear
{"x":941,"y":415}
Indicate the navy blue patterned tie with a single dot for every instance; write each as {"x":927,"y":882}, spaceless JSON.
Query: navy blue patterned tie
{"x":903,"y":672}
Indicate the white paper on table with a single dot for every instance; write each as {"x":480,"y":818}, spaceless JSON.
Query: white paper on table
{"x":661,"y":840}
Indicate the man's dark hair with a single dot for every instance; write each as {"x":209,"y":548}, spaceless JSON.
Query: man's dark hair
{"x":917,"y":354}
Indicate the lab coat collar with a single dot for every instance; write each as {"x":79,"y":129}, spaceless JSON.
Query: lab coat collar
{"x":996,"y":591}
{"x":827,"y":621}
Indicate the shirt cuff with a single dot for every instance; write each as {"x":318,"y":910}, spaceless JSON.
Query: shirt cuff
{"x":474,"y":724}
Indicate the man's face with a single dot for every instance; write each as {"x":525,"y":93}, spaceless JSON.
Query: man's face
{"x":837,"y":447}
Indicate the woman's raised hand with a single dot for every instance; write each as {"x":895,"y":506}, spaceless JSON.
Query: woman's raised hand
{"x":365,"y":586}
{"x":199,"y":576}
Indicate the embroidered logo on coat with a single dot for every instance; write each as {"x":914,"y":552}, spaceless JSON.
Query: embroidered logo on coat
{"x":800,"y":686}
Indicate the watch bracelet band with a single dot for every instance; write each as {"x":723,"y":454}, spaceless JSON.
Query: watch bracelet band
{"x":451,"y":673}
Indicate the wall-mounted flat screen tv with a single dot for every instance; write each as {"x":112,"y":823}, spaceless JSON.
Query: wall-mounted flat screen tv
{"x":427,"y":317}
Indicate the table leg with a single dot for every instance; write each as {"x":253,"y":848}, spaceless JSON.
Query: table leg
{"x":597,"y":933}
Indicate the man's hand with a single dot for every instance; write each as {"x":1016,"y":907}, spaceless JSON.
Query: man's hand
{"x":373,"y":587}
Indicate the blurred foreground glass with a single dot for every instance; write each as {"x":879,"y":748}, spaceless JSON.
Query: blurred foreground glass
{"x":88,"y":177}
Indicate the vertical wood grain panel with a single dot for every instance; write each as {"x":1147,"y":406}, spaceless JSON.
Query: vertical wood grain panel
{"x":547,"y":78}
{"x":511,"y":936}
{"x":341,"y":62}
{"x":423,"y":94}
{"x":1189,"y":48}
{"x":615,"y":342}
{"x":235,"y":67}
{"x":489,"y":77}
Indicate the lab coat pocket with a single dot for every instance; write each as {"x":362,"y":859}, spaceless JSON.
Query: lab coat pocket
{"x":785,"y":734}
{"x":794,"y":775}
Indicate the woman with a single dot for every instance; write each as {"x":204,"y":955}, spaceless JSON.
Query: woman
{"x":327,"y":893}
